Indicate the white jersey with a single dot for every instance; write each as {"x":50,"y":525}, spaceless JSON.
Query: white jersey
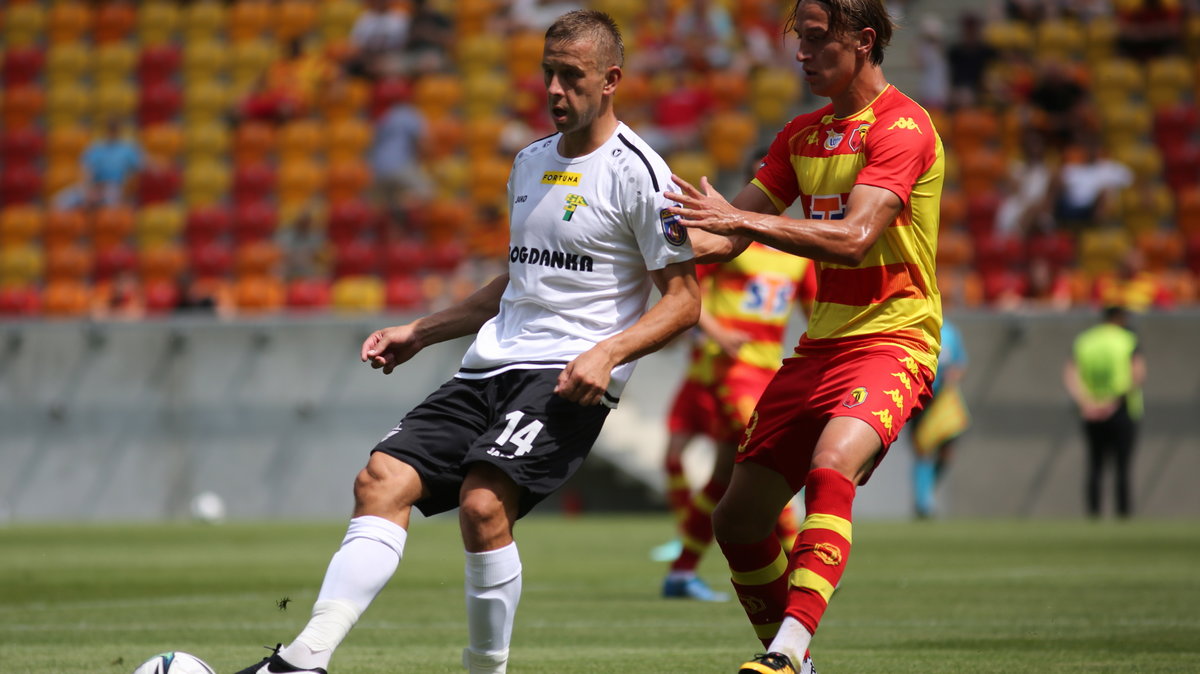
{"x":584,"y":231}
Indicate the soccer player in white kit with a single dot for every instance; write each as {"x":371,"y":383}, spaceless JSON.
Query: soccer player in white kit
{"x":556,"y":340}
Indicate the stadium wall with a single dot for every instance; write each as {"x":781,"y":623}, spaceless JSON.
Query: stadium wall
{"x":128,"y":421}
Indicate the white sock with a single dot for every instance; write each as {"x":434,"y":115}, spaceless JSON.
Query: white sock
{"x":359,"y":570}
{"x":792,"y":640}
{"x":493,"y":589}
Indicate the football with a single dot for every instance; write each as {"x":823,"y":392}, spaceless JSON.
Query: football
{"x":175,"y":662}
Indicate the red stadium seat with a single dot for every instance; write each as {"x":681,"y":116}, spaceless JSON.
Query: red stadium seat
{"x":23,"y":105}
{"x":159,"y":102}
{"x":112,"y":225}
{"x":1181,"y":164}
{"x":210,"y":259}
{"x":157,"y":183}
{"x":22,"y":65}
{"x":355,"y":258}
{"x":349,"y":220}
{"x":71,"y":261}
{"x":158,"y":63}
{"x":308,"y":294}
{"x":388,"y":92}
{"x":205,"y":224}
{"x":64,"y":227}
{"x":161,"y":296}
{"x":404,"y":293}
{"x":253,"y":182}
{"x":114,"y":259}
{"x":254,"y":221}
{"x":114,"y":22}
{"x":20,"y":184}
{"x":20,"y":300}
{"x":405,"y":257}
{"x":22,"y":145}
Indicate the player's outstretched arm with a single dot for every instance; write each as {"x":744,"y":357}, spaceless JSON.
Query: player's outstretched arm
{"x":585,"y":379}
{"x":714,"y":246}
{"x":389,"y":347}
{"x":869,"y":211}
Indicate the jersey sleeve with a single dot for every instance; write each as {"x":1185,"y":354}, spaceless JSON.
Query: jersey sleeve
{"x":661,"y":238}
{"x":775,"y":176}
{"x":898,"y":149}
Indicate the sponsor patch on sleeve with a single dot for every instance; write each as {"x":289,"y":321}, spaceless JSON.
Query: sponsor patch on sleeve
{"x":675,"y":233}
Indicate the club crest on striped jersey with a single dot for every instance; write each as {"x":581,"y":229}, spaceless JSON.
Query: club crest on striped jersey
{"x":828,"y":553}
{"x":675,"y":233}
{"x":857,"y":135}
{"x":855,"y":397}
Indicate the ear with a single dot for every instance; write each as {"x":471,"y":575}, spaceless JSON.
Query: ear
{"x":866,"y":42}
{"x":612,"y":77}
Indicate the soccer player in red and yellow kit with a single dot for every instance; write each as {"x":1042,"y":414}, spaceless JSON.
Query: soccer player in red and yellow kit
{"x":867,"y":169}
{"x":745,"y":309}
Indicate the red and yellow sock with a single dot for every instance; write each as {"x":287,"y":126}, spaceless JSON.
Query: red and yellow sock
{"x":679,"y":492}
{"x":760,"y":577}
{"x":696,"y":528}
{"x":823,"y":546}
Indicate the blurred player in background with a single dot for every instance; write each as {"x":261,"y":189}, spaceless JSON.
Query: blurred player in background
{"x":556,"y":340}
{"x":744,"y":313}
{"x":867,"y":170}
{"x":1104,"y":377}
{"x":938,"y":426}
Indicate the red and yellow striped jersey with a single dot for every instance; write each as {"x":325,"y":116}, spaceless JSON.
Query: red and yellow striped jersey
{"x":752,"y":293}
{"x":892,"y":296}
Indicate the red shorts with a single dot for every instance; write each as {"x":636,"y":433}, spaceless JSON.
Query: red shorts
{"x":880,"y":384}
{"x":720,"y":410}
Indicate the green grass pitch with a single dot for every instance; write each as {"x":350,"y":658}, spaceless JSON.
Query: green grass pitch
{"x":953,"y":596}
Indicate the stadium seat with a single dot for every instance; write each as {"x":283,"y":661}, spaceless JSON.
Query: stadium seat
{"x":158,"y":22}
{"x":207,"y":139}
{"x":729,"y":139}
{"x":22,"y":65}
{"x":248,"y":19}
{"x":20,"y":184}
{"x":257,"y":258}
{"x":300,"y":140}
{"x":249,"y":59}
{"x":1169,"y":81}
{"x":343,"y":99}
{"x":205,"y":182}
{"x":773,"y":91}
{"x":66,"y":143}
{"x":692,"y":165}
{"x":20,"y":300}
{"x":1009,"y":36}
{"x":159,"y":224}
{"x":524,"y":53}
{"x":258,"y":294}
{"x":205,"y":60}
{"x":488,"y":183}
{"x":1181,"y":164}
{"x":403,"y":293}
{"x":308,"y":294}
{"x":1142,"y":158}
{"x":485,"y":95}
{"x":66,"y":298}
{"x":158,"y":182}
{"x":446,"y":256}
{"x":21,"y":224}
{"x":254,"y":221}
{"x":211,"y":259}
{"x":158,"y":63}
{"x":21,"y":145}
{"x":205,"y":101}
{"x":981,"y":170}
{"x":358,"y":294}
{"x":437,"y":95}
{"x":386,"y":93}
{"x":114,"y":99}
{"x":1187,"y":210}
{"x":336,"y":18}
{"x":348,"y":139}
{"x":65,"y":228}
{"x":23,"y":105}
{"x":206,"y":224}
{"x":450,"y":176}
{"x":253,"y":142}
{"x":300,"y":180}
{"x":24,"y":24}
{"x":483,"y":137}
{"x":483,"y":54}
{"x":203,"y":21}
{"x":162,"y":141}
{"x":114,"y":22}
{"x":112,"y":225}
{"x":161,"y":261}
{"x":405,"y":257}
{"x":253,"y":181}
{"x":113,"y":62}
{"x":159,"y":103}
{"x":1101,"y":38}
{"x":67,"y":63}
{"x":112,"y":260}
{"x":1121,"y":75}
{"x":446,"y":136}
{"x":347,"y":179}
{"x":67,"y":103}
{"x":981,"y":212}
{"x":1103,"y":250}
{"x":355,"y":258}
{"x":68,"y":21}
{"x":349,"y":220}
{"x":1060,"y":39}
{"x":294,"y":18}
{"x":22,"y":264}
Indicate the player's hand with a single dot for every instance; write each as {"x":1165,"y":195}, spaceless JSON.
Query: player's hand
{"x":1099,"y":411}
{"x":704,"y":208}
{"x":730,"y":341}
{"x":584,"y":380}
{"x":389,"y":347}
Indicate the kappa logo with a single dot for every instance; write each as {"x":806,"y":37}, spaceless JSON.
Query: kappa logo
{"x":885,"y":418}
{"x":906,"y":123}
{"x":574,"y":201}
{"x":903,"y":377}
{"x":561,"y":178}
{"x":896,"y":398}
{"x":911,"y":363}
{"x":856,"y":397}
{"x":749,"y":431}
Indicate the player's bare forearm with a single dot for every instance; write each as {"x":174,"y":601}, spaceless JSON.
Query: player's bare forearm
{"x":869,"y":210}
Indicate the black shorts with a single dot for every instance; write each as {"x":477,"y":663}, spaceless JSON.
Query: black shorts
{"x":512,"y":420}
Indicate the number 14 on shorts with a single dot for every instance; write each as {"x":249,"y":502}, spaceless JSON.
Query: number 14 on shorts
{"x":522,"y":439}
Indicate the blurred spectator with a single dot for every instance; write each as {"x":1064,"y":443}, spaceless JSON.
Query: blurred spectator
{"x":1059,"y":104}
{"x":703,"y":33}
{"x":377,"y":40}
{"x":1088,"y":187}
{"x":119,"y":297}
{"x":537,"y":15}
{"x":289,"y":87}
{"x":1147,"y":29}
{"x":968,"y":58}
{"x":110,"y":164}
{"x":395,"y":155}
{"x":430,"y":37}
{"x":1025,"y":207}
{"x":1030,"y":12}
{"x":305,"y":248}
{"x":934,"y":88}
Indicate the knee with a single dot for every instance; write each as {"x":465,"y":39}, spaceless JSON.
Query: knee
{"x":384,"y":485}
{"x":481,"y":507}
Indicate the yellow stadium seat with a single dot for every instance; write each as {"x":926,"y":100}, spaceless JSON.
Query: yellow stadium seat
{"x":450,"y":175}
{"x":1060,"y":39}
{"x":1009,"y":36}
{"x":1101,"y":34}
{"x":68,"y":21}
{"x":1103,"y":250}
{"x":209,"y":139}
{"x":483,"y":136}
{"x":730,"y":137}
{"x":691,"y":166}
{"x":249,"y":19}
{"x":162,"y":141}
{"x":205,"y":101}
{"x":358,"y":294}
{"x":336,"y":18}
{"x":159,"y":224}
{"x":205,"y":60}
{"x":485,"y":95}
{"x":158,"y":22}
{"x":24,"y":24}
{"x":300,"y":139}
{"x":349,"y":138}
{"x":67,"y":104}
{"x":437,"y":95}
{"x":488,"y":182}
{"x":249,"y":59}
{"x":1119,"y":75}
{"x":471,"y":16}
{"x":1143,"y":159}
{"x":114,"y":99}
{"x":21,"y":264}
{"x":113,"y":62}
{"x":1146,"y":207}
{"x":205,"y":182}
{"x":294,"y":18}
{"x":1126,"y":122}
{"x":20,"y":225}
{"x":481,"y":54}
{"x":67,"y":63}
{"x":1169,"y":81}
{"x":773,"y":92}
{"x":524,"y":56}
{"x":203,"y":20}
